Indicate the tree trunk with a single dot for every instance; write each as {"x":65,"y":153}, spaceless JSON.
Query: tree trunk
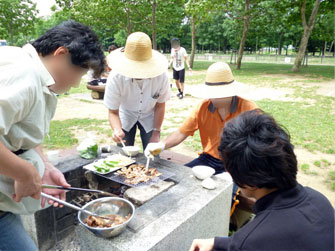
{"x":330,"y":49}
{"x":128,"y":23}
{"x":280,"y":43}
{"x":324,"y":51}
{"x":307,"y":32}
{"x":153,"y":25}
{"x":244,"y":35}
{"x":11,"y":34}
{"x":193,"y":42}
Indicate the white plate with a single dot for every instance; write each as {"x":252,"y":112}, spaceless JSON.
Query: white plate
{"x":124,"y":161}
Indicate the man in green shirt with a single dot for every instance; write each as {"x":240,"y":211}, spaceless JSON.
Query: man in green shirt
{"x":30,"y":78}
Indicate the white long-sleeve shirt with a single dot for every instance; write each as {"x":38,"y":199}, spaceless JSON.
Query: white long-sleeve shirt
{"x":26,"y":108}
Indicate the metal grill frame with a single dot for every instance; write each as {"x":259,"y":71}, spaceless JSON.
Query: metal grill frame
{"x":120,"y":179}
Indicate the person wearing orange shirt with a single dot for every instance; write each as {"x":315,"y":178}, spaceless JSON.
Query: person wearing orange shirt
{"x":222,"y":102}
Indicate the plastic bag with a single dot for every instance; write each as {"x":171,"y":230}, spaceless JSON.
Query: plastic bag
{"x":88,"y":149}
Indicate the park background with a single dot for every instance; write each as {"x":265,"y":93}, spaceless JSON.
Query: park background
{"x":283,"y":49}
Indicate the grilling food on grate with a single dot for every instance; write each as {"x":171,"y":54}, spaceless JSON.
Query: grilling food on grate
{"x":136,"y":174}
{"x":95,"y":221}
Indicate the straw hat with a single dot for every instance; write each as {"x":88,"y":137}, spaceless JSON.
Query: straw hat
{"x":219,"y":83}
{"x":138,"y":59}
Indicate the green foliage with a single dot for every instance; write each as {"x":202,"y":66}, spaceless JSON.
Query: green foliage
{"x":17,"y":18}
{"x":305,"y":168}
{"x":317,"y":163}
{"x":120,"y":38}
{"x":331,"y":180}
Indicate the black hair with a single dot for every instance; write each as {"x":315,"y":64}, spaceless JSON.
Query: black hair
{"x":257,"y":152}
{"x":80,"y":40}
{"x":175,"y":40}
{"x":112,"y":47}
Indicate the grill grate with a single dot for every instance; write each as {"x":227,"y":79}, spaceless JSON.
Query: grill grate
{"x":120,"y":179}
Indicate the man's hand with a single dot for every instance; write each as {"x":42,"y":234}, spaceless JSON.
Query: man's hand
{"x":154,"y":149}
{"x":118,"y":135}
{"x":52,"y":176}
{"x":202,"y":245}
{"x":30,"y":186}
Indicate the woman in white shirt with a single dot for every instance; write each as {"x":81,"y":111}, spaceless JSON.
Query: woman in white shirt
{"x":137,"y":89}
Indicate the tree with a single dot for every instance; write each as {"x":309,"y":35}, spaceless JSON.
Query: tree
{"x":199,"y":11}
{"x":308,"y":27}
{"x":149,"y":16}
{"x":17,"y":17}
{"x":246,"y":19}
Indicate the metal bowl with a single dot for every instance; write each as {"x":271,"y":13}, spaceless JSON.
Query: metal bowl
{"x":105,"y":206}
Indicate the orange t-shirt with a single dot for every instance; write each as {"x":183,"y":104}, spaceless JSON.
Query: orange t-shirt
{"x":210,"y":124}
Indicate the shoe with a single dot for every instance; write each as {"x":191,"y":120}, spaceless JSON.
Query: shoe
{"x":181,"y":96}
{"x":178,"y":95}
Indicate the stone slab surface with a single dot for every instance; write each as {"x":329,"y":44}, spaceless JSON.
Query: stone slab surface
{"x":140,"y":195}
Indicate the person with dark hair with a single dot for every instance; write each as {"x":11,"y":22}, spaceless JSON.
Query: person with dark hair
{"x":259,"y":156}
{"x":178,"y":57}
{"x":30,"y":78}
{"x":111,"y":48}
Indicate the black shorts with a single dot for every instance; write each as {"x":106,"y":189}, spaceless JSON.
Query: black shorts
{"x":179,"y":75}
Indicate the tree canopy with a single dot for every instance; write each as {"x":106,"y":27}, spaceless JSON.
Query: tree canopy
{"x":242,"y":26}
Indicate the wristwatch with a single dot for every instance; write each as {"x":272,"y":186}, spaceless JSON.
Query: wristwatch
{"x":156,"y":129}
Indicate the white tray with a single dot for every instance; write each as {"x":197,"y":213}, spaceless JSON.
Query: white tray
{"x":124,"y":161}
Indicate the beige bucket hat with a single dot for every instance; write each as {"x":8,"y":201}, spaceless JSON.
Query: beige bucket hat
{"x":219,"y":83}
{"x":137,"y":59}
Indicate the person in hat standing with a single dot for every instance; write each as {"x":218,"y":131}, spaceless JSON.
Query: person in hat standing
{"x":222,"y":101}
{"x":30,"y":78}
{"x":178,"y":57}
{"x":137,"y":89}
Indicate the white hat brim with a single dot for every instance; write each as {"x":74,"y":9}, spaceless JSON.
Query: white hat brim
{"x":151,"y":68}
{"x":220,"y":91}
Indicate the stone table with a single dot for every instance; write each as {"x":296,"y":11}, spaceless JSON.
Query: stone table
{"x":171,"y":220}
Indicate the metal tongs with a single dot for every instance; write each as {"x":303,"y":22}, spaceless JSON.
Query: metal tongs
{"x":78,"y":189}
{"x":73,"y":206}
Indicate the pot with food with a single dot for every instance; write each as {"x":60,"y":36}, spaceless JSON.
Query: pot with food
{"x":119,"y":211}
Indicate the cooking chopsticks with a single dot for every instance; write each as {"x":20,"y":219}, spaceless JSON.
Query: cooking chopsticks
{"x":78,"y":189}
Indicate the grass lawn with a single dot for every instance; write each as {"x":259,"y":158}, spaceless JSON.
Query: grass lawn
{"x":256,"y":73}
{"x":311,"y":126}
{"x":62,"y":135}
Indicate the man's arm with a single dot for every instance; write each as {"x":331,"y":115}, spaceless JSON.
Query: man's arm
{"x":27,"y":182}
{"x":174,"y":139}
{"x":158,"y":121}
{"x":187,"y":63}
{"x":115,"y":123}
{"x":171,"y":61}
